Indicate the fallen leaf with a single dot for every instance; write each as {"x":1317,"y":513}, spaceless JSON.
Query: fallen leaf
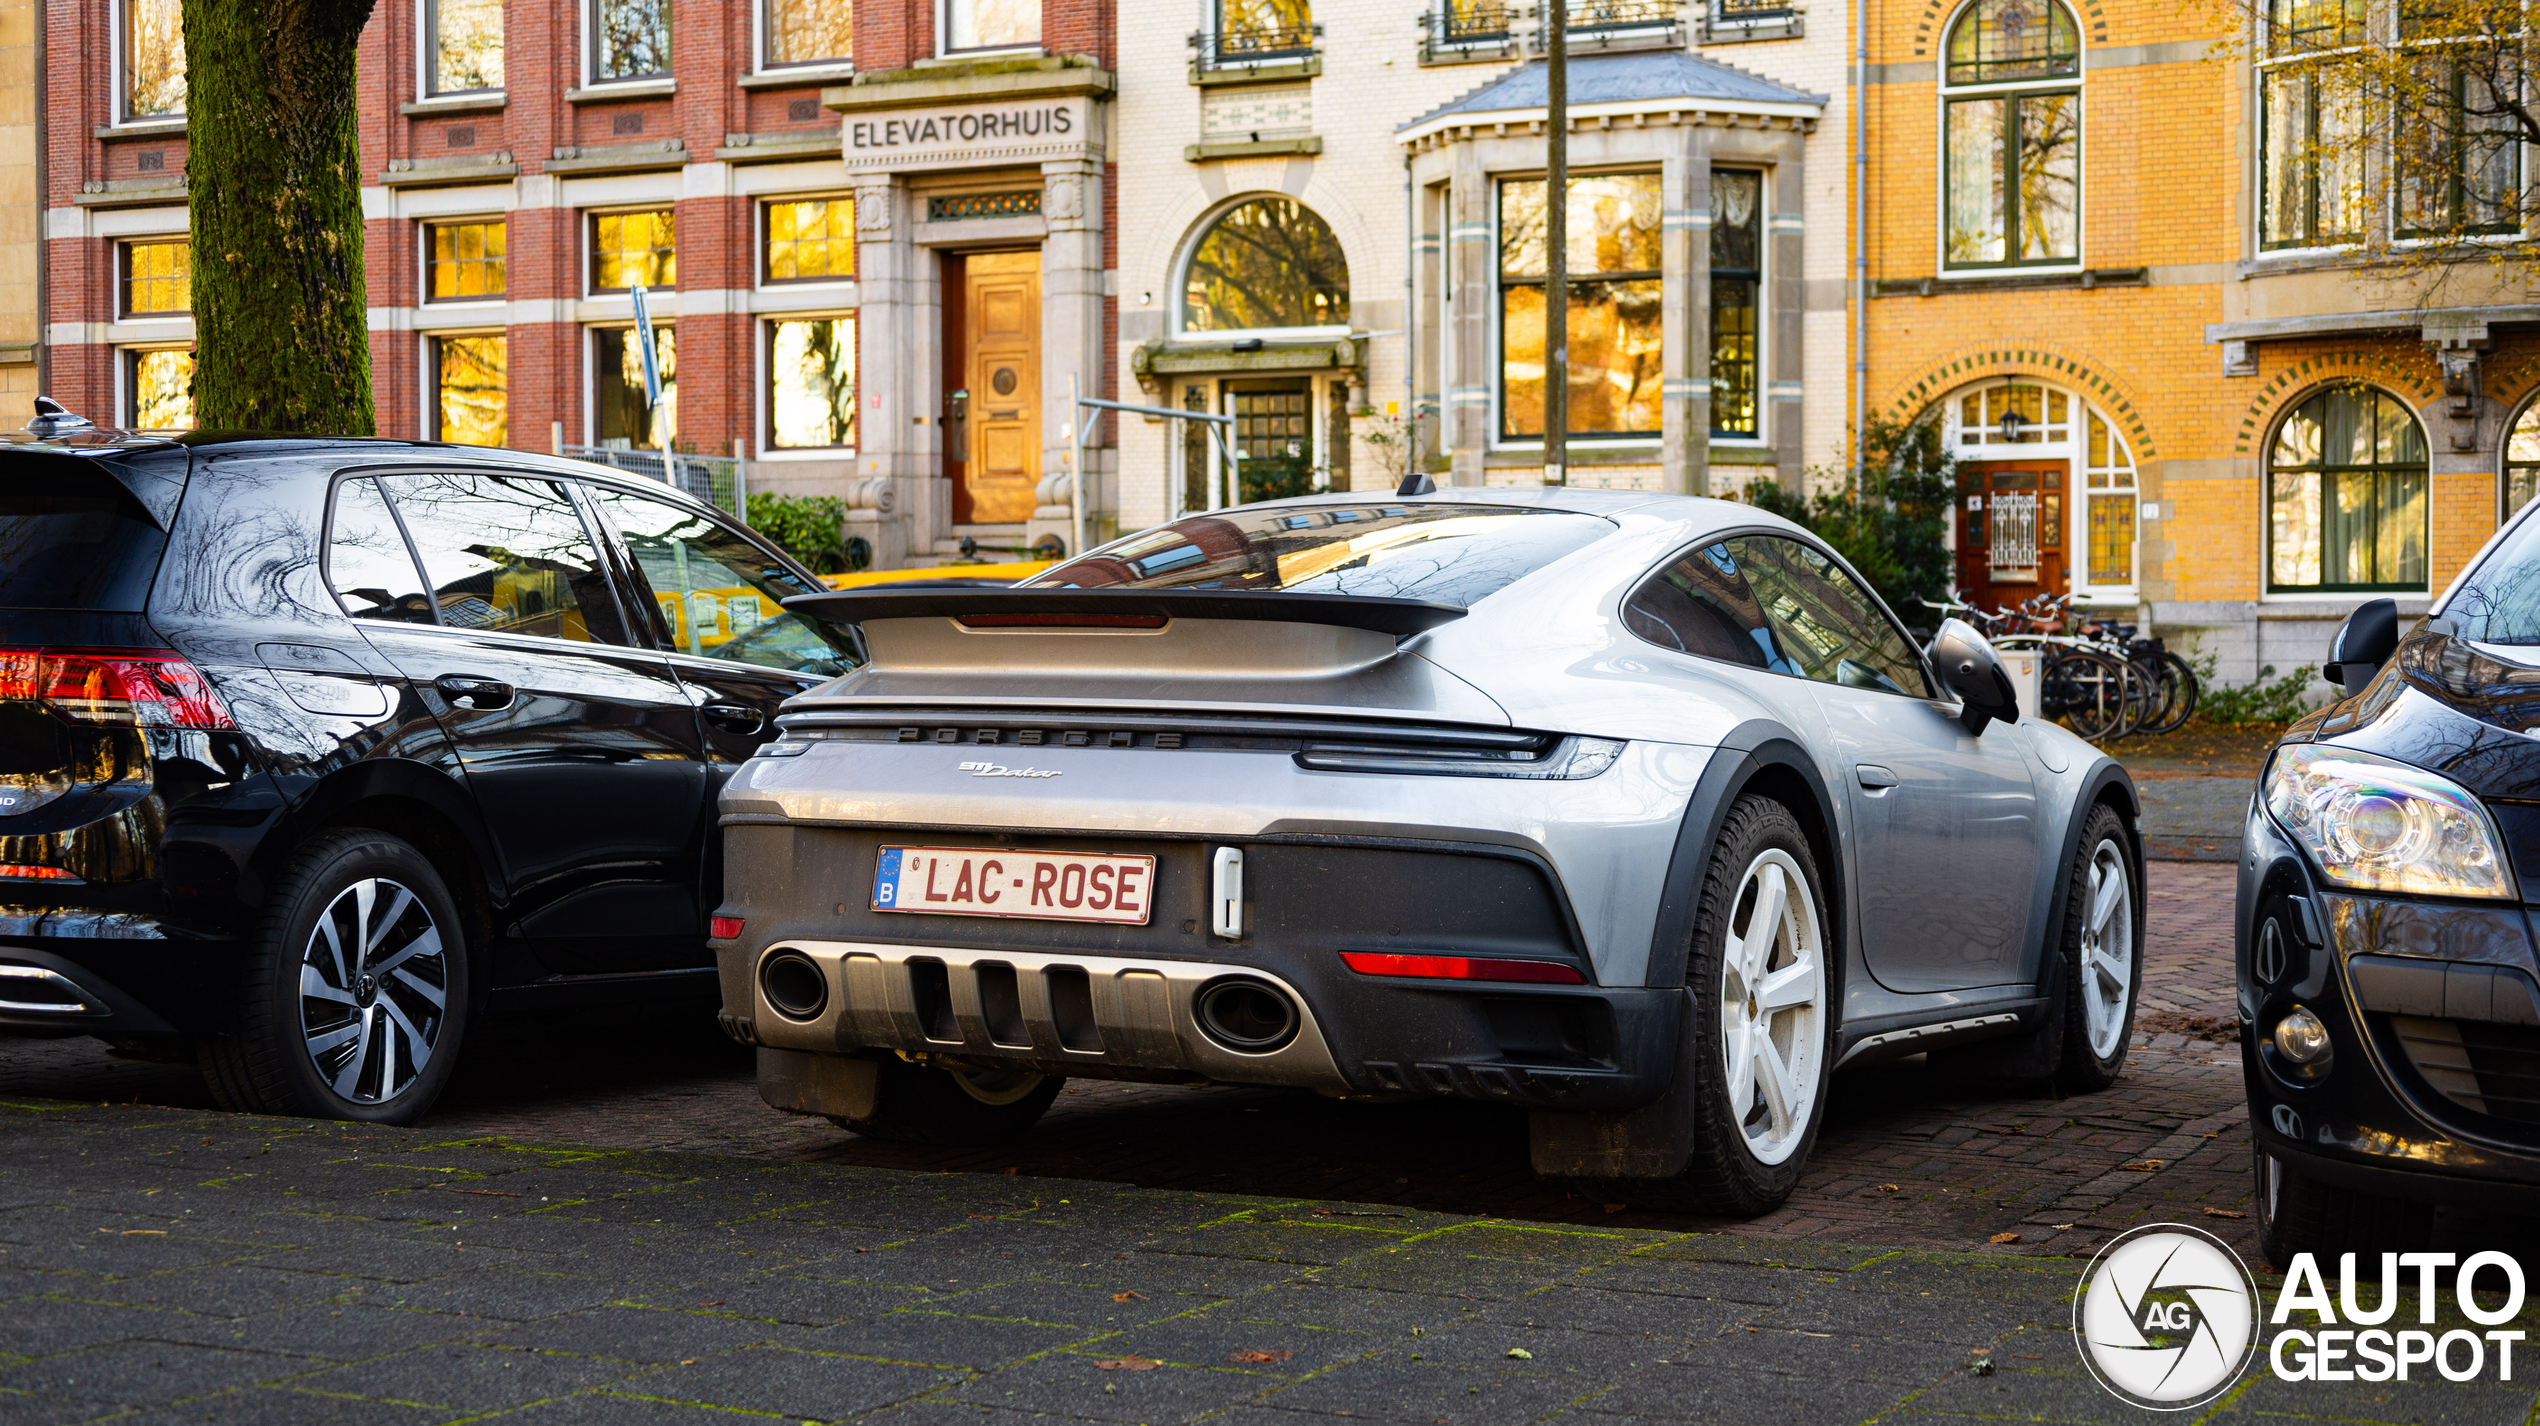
{"x":2223,"y":1213}
{"x":1521,"y":1354}
{"x":2146,"y":1165}
{"x":1125,"y":1296}
{"x":718,"y":1302}
{"x":1616,"y":1207}
{"x":864,"y":1250}
{"x":1014,"y":1171}
{"x":1259,"y":1356}
{"x":2023,"y":1356}
{"x":1127,"y":1364}
{"x":1891,"y":1188}
{"x":2006,"y":1237}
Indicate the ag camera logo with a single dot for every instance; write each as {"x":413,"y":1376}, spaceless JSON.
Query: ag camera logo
{"x":2167,"y":1317}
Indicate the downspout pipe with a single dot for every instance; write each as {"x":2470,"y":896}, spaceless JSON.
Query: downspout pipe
{"x":1860,"y":234}
{"x":1410,"y":329}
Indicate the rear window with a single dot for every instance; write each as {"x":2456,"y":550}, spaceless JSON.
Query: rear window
{"x":1447,"y":554}
{"x":72,"y":537}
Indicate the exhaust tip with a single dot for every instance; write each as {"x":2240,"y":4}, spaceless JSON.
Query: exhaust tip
{"x":794,"y":985}
{"x":1248,"y":1016}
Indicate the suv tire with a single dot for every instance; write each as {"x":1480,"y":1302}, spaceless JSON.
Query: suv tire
{"x":355,"y":994}
{"x":2299,"y":1214}
{"x":921,"y":1104}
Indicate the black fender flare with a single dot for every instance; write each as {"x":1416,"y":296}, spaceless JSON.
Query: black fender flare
{"x":1749,"y":750}
{"x":2109,"y":773}
{"x":384,"y":779}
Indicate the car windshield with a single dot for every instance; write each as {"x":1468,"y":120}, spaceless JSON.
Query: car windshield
{"x":1447,"y":554}
{"x":2499,"y":601}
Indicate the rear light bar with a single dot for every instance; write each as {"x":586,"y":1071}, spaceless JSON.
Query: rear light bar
{"x":18,"y":871}
{"x":1062,"y":621}
{"x":726,"y":928}
{"x":122,"y":688}
{"x":1462,"y":968}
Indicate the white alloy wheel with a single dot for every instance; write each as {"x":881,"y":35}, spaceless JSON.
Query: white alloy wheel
{"x":2107,"y":949}
{"x":373,"y":990}
{"x":1772,"y":993}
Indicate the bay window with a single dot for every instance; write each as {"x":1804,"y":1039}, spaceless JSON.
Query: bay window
{"x":1737,"y":273}
{"x":1615,"y":300}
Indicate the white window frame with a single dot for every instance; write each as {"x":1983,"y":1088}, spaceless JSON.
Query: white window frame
{"x":428,"y":416}
{"x":761,"y":64}
{"x":589,"y":66}
{"x":590,"y":360}
{"x":1944,"y":93}
{"x":428,"y":51}
{"x":1495,"y":359}
{"x":118,"y":74}
{"x":943,"y":36}
{"x":2073,"y":449}
{"x":589,"y":220}
{"x":1181,"y":273}
{"x":763,"y":380}
{"x":124,"y":393}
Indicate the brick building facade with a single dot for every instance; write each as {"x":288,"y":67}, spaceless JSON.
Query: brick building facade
{"x":527,"y":165}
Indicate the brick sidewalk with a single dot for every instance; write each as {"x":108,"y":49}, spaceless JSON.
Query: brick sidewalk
{"x":1966,"y":1160}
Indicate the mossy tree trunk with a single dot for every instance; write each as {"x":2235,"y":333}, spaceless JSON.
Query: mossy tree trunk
{"x":273,"y":164}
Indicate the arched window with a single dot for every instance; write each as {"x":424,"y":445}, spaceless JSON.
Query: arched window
{"x":1266,"y":263}
{"x":2011,"y":136}
{"x":2346,"y":504}
{"x":2522,"y":461}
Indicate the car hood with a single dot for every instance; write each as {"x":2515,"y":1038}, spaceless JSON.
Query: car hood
{"x":2469,"y":711}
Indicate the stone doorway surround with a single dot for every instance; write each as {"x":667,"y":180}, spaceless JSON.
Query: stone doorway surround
{"x":949,"y":158}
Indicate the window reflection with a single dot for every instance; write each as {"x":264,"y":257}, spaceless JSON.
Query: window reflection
{"x":1266,"y":263}
{"x":1615,"y":305}
{"x":991,"y":24}
{"x":811,"y":382}
{"x":467,"y":45}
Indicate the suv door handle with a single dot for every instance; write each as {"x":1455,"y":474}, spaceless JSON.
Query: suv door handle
{"x":732,"y":717}
{"x":472,"y":693}
{"x":1873,"y":777}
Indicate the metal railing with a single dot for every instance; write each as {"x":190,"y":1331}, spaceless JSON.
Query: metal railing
{"x":1254,"y":44}
{"x":1595,"y":17}
{"x":1471,"y":22}
{"x":720,"y":481}
{"x":1752,"y":9}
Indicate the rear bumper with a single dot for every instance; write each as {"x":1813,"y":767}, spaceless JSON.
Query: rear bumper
{"x":1123,"y":1017}
{"x":132,"y":985}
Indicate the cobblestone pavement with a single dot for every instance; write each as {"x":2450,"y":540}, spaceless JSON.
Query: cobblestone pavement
{"x":163,"y":1265}
{"x":1908,"y":1156}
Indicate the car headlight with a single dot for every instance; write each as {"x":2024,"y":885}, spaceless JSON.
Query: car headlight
{"x":2381,"y":825}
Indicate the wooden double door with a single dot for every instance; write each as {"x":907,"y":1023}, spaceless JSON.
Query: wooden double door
{"x":992,"y":352}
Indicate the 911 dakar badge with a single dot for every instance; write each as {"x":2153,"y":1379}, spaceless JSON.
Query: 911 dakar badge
{"x":2167,"y":1317}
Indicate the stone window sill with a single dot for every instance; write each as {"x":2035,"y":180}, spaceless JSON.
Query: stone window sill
{"x":445,"y":104}
{"x":1259,"y":148}
{"x":798,"y":77}
{"x":619,"y":93}
{"x":172,"y":128}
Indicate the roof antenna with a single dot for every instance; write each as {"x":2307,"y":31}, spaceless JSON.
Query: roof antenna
{"x":52,"y":418}
{"x":1416,"y":482}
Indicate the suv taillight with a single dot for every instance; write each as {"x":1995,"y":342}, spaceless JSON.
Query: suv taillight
{"x":123,"y":688}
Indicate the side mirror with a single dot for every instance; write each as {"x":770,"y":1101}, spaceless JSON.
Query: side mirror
{"x":2363,"y":644}
{"x":1966,"y":662}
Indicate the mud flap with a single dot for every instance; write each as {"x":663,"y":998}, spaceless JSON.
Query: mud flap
{"x":1654,"y":1141}
{"x":800,"y":1082}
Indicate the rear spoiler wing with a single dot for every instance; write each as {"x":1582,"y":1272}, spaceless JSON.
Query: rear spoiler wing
{"x":1058,"y":607}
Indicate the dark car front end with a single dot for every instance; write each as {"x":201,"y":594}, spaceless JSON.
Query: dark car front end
{"x":2388,"y":973}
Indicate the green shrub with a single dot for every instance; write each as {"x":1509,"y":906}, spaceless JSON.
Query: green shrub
{"x":808,"y":526}
{"x":1275,"y":478}
{"x":2264,"y":699}
{"x":1891,"y":524}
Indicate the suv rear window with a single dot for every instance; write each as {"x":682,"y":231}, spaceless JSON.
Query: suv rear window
{"x":1448,"y":554}
{"x":72,"y":537}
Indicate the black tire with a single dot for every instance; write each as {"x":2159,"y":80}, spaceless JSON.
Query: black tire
{"x":918,"y":1104}
{"x":390,"y":1049}
{"x":2299,"y":1214}
{"x":1727,"y":1174}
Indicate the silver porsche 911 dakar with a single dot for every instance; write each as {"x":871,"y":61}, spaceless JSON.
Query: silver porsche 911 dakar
{"x":1641,"y":812}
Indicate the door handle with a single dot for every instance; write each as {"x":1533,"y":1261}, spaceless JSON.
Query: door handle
{"x":732,"y":717}
{"x":1874,"y":778}
{"x":475,"y":694}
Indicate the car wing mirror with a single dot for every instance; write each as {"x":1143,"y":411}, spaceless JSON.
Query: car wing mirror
{"x":2363,"y":644}
{"x":1967,"y":664}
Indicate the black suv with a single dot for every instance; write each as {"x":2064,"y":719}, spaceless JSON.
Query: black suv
{"x":315,"y":752}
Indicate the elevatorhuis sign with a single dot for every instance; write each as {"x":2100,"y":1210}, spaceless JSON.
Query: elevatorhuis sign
{"x":904,"y":127}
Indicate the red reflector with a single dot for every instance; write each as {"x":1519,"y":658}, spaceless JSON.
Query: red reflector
{"x":15,"y":871}
{"x":1062,"y":621}
{"x":1462,"y":968}
{"x":727,"y":928}
{"x":129,"y":688}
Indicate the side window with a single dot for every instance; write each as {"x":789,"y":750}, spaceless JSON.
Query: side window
{"x":716,"y":595}
{"x":367,"y":562}
{"x":1829,"y":627}
{"x":1701,"y":605}
{"x":507,"y":554}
